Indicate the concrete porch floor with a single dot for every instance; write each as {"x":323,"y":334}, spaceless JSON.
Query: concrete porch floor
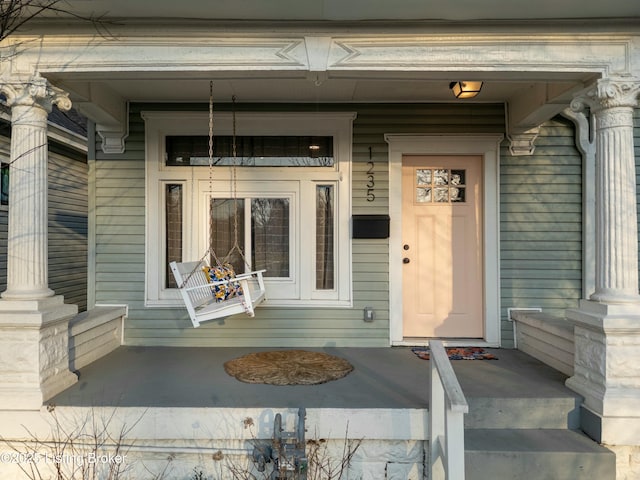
{"x":389,"y":378}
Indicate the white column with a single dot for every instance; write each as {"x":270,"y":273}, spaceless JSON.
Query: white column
{"x":612,"y":102}
{"x":607,"y":326}
{"x":27,"y":256}
{"x":34,"y":337}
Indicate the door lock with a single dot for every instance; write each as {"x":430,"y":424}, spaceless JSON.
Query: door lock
{"x":405,"y":260}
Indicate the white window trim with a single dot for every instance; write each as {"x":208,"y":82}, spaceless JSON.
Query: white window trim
{"x":338,"y":125}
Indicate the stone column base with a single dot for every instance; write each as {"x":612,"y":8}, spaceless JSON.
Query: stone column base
{"x":34,"y":351}
{"x":607,"y":370}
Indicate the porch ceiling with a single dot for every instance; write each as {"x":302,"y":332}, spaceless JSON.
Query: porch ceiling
{"x":271,"y":87}
{"x":357,"y":10}
{"x":346,"y":19}
{"x":533,"y":97}
{"x":169,"y":53}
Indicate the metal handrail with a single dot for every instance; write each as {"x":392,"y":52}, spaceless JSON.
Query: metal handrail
{"x":447,"y":406}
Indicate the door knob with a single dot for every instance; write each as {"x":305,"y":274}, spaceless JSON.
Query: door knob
{"x":405,"y":260}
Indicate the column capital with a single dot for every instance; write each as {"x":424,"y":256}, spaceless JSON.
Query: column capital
{"x":610,"y":92}
{"x":34,"y":91}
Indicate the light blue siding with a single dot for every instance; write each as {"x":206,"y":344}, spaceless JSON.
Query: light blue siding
{"x":68,"y":213}
{"x":541,"y":225}
{"x":636,"y":145}
{"x":119,"y":231}
{"x":540,"y":232}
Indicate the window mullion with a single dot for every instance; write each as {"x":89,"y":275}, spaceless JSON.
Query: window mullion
{"x":248,"y":244}
{"x":306,"y":245}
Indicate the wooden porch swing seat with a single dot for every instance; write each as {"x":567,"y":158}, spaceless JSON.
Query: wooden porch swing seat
{"x":198,"y":297}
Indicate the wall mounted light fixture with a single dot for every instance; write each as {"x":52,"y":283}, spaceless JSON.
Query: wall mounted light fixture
{"x":465,"y":89}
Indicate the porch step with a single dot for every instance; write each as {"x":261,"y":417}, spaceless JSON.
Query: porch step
{"x":535,"y":454}
{"x":532,"y":412}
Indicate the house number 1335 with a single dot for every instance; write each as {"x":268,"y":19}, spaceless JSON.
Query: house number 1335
{"x":371,"y":183}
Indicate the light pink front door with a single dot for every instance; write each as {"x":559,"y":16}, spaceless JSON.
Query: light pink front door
{"x":442,"y":247}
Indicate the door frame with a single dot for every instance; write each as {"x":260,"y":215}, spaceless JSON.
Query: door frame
{"x":487,"y":146}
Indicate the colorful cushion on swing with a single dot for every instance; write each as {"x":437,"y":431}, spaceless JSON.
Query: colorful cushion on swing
{"x":227,"y":290}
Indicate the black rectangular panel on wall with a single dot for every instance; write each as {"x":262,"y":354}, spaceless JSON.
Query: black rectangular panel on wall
{"x":370,"y":226}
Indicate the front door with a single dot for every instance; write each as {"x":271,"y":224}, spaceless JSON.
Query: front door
{"x":442,"y":280}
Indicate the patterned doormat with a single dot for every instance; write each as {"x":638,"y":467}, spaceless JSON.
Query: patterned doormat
{"x":457,"y":353}
{"x":288,"y":367}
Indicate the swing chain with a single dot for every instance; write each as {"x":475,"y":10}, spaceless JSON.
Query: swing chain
{"x":210,"y":135}
{"x":211,"y":144}
{"x":210,"y":250}
{"x":234,"y":191}
{"x":234,"y":196}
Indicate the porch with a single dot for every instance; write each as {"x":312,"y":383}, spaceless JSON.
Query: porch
{"x":187,"y":409}
{"x":390,"y":378}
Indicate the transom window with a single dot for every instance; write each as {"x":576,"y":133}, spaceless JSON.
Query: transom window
{"x":286,"y":203}
{"x":251,"y":151}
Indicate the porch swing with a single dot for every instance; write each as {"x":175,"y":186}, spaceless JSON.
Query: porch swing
{"x":215,"y":291}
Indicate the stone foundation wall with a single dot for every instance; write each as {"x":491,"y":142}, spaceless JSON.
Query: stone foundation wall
{"x":216,"y":459}
{"x":181,"y":442}
{"x":627,"y":461}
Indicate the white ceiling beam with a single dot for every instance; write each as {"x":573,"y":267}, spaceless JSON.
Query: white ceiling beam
{"x":106,"y":108}
{"x":531,"y":107}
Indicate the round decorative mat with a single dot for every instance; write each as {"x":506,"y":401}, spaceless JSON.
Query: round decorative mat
{"x":288,"y":367}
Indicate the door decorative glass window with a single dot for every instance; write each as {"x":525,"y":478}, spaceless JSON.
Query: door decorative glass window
{"x":440,"y":185}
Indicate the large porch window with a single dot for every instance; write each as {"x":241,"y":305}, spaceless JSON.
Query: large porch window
{"x":286,"y":204}
{"x":264,"y":246}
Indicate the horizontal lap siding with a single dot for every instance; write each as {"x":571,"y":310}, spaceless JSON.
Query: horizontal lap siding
{"x":120,"y":217}
{"x":371,"y":257}
{"x":68,"y":211}
{"x":636,"y":144}
{"x":119,"y":196}
{"x":4,"y":219}
{"x":541,"y":225}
